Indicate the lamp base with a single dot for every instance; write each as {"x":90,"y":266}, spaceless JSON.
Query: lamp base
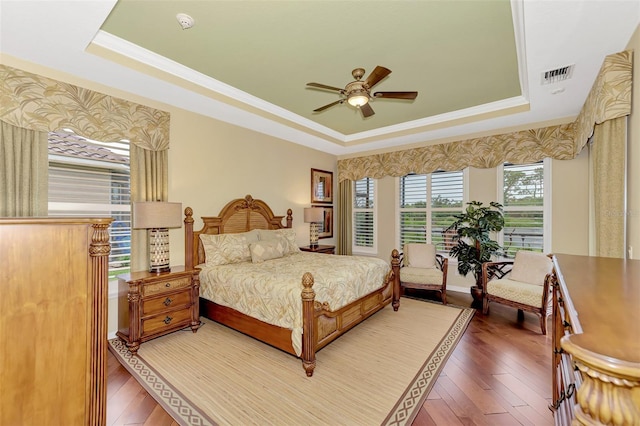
{"x":157,"y":270}
{"x":313,"y":235}
{"x":159,"y":250}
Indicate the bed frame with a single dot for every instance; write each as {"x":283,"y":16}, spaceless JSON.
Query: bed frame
{"x":320,"y":325}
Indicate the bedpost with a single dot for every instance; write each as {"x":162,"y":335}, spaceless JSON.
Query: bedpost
{"x":395,"y":267}
{"x":289,"y":218}
{"x":188,"y":238}
{"x":308,"y":329}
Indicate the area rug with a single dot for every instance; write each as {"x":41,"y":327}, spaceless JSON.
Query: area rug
{"x":380,"y":372}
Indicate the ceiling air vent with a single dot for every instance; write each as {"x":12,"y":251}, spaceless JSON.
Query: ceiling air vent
{"x":557,"y":75}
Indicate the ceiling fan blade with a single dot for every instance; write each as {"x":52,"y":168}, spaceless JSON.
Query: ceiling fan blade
{"x":367,"y":111}
{"x":396,"y":95}
{"x":322,"y":108}
{"x":324,"y":86}
{"x":378,"y":74}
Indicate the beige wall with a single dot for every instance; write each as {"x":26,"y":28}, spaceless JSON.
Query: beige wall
{"x":633,"y":159}
{"x":211,"y":163}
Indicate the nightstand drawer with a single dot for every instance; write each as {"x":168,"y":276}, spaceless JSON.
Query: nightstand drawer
{"x":166,"y":321}
{"x":164,"y":286}
{"x":169,"y":301}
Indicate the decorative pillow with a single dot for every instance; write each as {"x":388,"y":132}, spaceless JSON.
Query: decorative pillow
{"x":266,"y":250}
{"x":252,"y":236}
{"x":530,"y":267}
{"x":225,"y":248}
{"x":420,"y":255}
{"x":287,"y":233}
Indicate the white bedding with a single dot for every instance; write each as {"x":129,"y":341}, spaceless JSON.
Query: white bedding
{"x":270,"y":291}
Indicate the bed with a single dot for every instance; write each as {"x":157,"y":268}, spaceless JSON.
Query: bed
{"x":318,"y":315}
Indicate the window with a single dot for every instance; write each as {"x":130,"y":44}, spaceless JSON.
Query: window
{"x":523,"y":196}
{"x":364,"y":215}
{"x":89,"y":178}
{"x":425,"y":222}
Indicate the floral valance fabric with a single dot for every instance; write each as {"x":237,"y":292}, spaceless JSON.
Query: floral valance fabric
{"x":35,"y":102}
{"x":610,"y":98}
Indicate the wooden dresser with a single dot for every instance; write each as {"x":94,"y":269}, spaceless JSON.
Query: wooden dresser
{"x":596,"y":341}
{"x":53,"y":321}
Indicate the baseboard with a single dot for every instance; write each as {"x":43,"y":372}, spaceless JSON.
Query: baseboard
{"x":458,"y":289}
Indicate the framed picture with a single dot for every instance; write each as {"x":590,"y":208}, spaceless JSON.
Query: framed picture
{"x":325,"y":229}
{"x":321,"y":186}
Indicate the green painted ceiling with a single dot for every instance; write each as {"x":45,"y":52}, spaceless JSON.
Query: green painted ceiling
{"x":456,"y":54}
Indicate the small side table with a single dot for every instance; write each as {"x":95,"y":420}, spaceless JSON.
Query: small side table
{"x":153,"y":304}
{"x":326,"y":249}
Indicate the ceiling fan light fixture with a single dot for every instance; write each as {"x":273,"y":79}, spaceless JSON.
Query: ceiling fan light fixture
{"x":358,"y":99}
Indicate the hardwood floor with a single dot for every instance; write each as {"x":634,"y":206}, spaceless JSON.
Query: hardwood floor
{"x":499,"y":374}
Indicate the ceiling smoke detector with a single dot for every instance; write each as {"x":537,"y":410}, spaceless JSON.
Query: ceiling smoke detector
{"x":185,"y":20}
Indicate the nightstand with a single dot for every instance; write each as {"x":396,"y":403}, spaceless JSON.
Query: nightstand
{"x":326,"y":249}
{"x":153,"y":304}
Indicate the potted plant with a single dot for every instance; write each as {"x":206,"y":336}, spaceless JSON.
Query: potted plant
{"x":474,"y":244}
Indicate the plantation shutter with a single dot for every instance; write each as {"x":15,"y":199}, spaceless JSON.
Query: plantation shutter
{"x":363,"y":213}
{"x":422,"y":222}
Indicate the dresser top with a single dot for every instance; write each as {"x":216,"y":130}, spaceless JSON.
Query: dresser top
{"x":602,"y":297}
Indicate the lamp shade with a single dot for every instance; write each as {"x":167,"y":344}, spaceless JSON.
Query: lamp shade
{"x":313,"y":215}
{"x":157,"y":214}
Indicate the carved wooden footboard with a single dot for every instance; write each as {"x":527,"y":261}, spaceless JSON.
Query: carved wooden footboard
{"x":320,"y":325}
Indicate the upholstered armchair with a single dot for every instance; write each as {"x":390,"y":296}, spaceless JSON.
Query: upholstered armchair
{"x":524,"y":283}
{"x":423,"y":269}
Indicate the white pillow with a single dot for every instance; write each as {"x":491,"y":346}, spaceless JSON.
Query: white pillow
{"x":252,"y":236}
{"x":420,"y":255}
{"x":267,"y":250}
{"x":225,"y":248}
{"x":287,"y":233}
{"x":530,"y":267}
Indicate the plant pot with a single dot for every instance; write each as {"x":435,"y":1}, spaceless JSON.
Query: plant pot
{"x":476,"y":293}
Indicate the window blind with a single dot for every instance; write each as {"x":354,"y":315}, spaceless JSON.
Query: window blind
{"x":363,"y":214}
{"x":425,"y":222}
{"x":80,"y":185}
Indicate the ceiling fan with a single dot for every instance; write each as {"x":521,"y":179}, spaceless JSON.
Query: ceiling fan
{"x":358,"y":93}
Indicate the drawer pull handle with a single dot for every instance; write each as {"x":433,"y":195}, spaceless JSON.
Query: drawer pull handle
{"x":168,"y":320}
{"x":167,"y":301}
{"x":167,"y":285}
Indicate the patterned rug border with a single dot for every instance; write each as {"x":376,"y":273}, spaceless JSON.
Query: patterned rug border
{"x":403,"y":413}
{"x":174,"y":402}
{"x":408,"y":406}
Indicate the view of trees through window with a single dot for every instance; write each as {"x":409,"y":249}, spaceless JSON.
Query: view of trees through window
{"x":422,"y":222}
{"x":523,"y":208}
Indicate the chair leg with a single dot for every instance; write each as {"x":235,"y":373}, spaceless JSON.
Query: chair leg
{"x":543,"y":324}
{"x":485,"y":305}
{"x":443,"y":297}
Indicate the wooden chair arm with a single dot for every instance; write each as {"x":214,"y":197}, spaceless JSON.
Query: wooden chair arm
{"x":442,"y":262}
{"x":491,"y":270}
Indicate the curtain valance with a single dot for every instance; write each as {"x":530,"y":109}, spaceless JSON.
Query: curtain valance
{"x":610,"y":98}
{"x":35,"y":102}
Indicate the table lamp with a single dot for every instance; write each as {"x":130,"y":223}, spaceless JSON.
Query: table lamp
{"x":157,"y":217}
{"x":314,"y":216}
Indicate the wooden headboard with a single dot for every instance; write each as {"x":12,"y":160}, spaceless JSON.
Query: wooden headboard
{"x":239,"y":215}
